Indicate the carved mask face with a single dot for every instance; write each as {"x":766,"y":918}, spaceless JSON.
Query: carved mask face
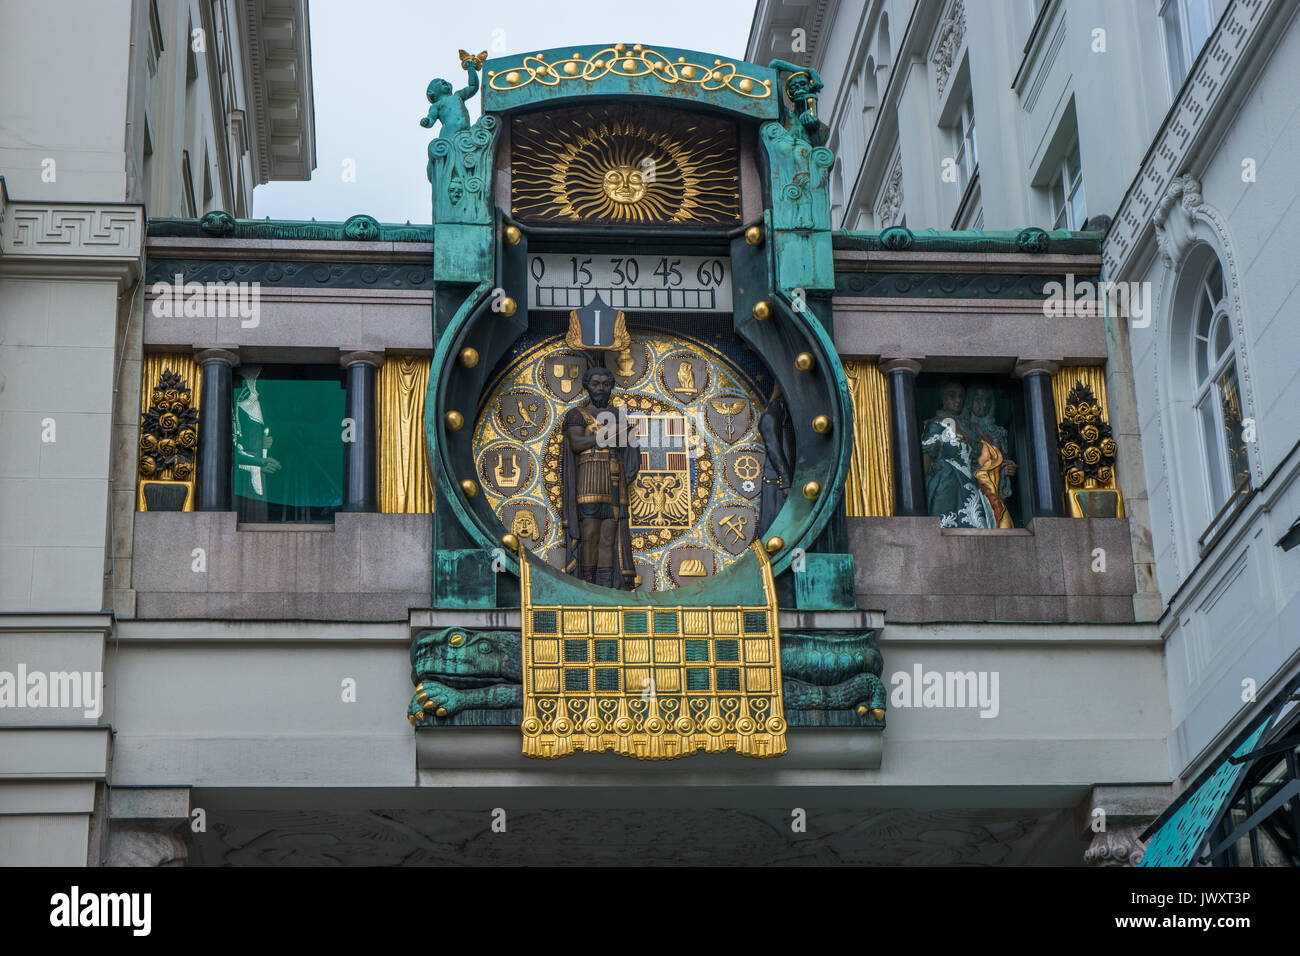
{"x":624,"y":184}
{"x":455,"y":190}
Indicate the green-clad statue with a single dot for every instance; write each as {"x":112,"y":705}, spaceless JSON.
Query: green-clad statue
{"x":964,"y":469}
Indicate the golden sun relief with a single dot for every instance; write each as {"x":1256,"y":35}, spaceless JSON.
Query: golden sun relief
{"x":610,"y":164}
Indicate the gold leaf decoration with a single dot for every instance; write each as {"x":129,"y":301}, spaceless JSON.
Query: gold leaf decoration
{"x":611,"y":164}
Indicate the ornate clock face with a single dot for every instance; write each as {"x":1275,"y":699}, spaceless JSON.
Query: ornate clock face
{"x":694,"y":504}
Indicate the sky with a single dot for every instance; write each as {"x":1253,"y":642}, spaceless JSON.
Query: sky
{"x":371,"y":63}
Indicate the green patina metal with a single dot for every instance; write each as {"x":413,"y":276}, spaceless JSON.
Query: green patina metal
{"x":476,"y":678}
{"x":220,"y":225}
{"x":793,"y":271}
{"x":1033,"y":241}
{"x":616,"y":71}
{"x":825,"y":583}
{"x":798,"y":174}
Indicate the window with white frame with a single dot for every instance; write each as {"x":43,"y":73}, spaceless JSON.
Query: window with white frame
{"x":964,"y":132}
{"x":1186,"y":25}
{"x":1218,"y":397}
{"x":1069,"y":206}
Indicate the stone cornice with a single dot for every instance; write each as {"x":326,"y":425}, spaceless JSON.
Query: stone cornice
{"x":68,"y":237}
{"x":277,"y":77}
{"x":1221,"y":68}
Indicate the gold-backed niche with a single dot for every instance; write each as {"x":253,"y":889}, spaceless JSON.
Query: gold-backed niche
{"x":167,"y":454}
{"x":1086,"y":445}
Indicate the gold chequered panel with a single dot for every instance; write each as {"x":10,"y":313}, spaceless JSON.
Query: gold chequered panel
{"x":652,"y":682}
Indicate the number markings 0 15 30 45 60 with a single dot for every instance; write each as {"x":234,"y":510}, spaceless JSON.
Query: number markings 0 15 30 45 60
{"x":640,"y":283}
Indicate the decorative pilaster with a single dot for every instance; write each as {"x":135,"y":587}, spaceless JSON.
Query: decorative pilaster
{"x":905,"y":436}
{"x":216,"y":429}
{"x":1040,"y":414}
{"x":360,"y":487}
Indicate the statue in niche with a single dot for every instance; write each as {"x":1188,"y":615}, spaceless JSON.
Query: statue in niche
{"x":994,"y":475}
{"x":802,"y":87}
{"x":965,"y":470}
{"x":777,"y":431}
{"x":599,"y":464}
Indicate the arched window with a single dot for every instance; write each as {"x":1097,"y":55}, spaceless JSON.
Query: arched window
{"x":1217,"y":397}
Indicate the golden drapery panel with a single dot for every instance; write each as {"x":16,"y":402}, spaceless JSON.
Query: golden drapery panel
{"x":168,"y":424}
{"x":652,"y":682}
{"x":1093,"y":378}
{"x":870,"y":488}
{"x":404,"y":483}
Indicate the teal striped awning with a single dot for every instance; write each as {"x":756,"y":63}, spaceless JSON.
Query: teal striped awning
{"x":1180,"y":836}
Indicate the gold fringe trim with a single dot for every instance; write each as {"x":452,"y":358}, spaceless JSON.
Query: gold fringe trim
{"x":672,"y":722}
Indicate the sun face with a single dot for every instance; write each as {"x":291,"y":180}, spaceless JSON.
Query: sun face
{"x":624,"y":185}
{"x":616,"y":164}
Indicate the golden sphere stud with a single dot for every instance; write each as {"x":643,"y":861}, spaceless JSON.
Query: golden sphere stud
{"x":774,"y":544}
{"x":510,"y":541}
{"x":754,"y":236}
{"x":804,"y":362}
{"x":469,"y":357}
{"x":812,"y":490}
{"x":512,"y":77}
{"x":821,"y":424}
{"x":468,"y":488}
{"x":762,"y":310}
{"x":508,"y":307}
{"x":513,"y":235}
{"x":453,"y":420}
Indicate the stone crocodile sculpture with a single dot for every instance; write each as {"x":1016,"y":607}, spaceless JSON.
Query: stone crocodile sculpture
{"x":467,"y":677}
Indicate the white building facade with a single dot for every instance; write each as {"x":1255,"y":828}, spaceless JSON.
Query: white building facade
{"x":110,"y":113}
{"x":1167,"y":118}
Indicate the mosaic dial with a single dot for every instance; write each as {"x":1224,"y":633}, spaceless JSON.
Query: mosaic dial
{"x":696,"y":415}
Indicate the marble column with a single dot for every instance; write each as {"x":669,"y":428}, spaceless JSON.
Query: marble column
{"x":1040,"y":417}
{"x":360,"y":461}
{"x":905,"y":436}
{"x":216,"y":429}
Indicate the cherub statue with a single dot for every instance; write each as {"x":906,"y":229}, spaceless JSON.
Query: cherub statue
{"x":447,"y":107}
{"x":802,"y":87}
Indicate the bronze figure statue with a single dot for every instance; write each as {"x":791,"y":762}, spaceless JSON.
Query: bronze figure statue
{"x":599,"y":464}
